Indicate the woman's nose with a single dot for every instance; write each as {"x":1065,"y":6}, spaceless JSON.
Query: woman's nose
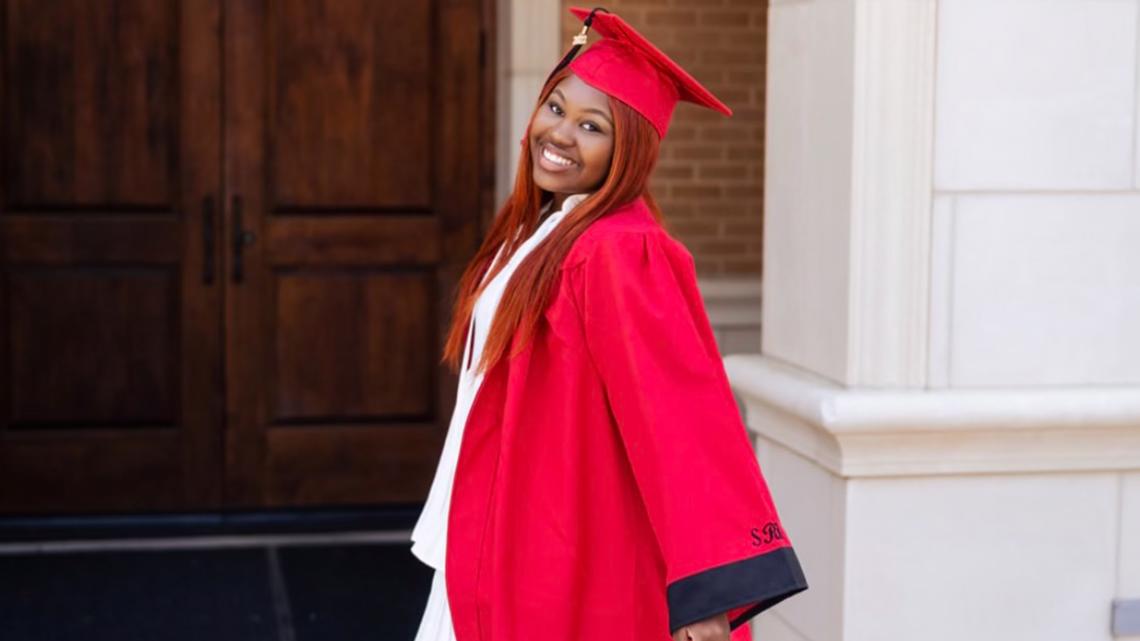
{"x":563,"y":133}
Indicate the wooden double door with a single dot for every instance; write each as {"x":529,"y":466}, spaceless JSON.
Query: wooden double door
{"x":229,"y":236}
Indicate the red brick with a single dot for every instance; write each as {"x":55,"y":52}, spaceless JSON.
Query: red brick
{"x":701,"y":191}
{"x":723,"y":247}
{"x":751,"y":229}
{"x":749,"y":116}
{"x":707,"y":265}
{"x":735,"y":19}
{"x":696,"y":229}
{"x":709,"y":76}
{"x":670,"y":17}
{"x":697,"y":152}
{"x":675,"y":210}
{"x":726,"y":55}
{"x":721,"y":133}
{"x":734,"y":171}
{"x":691,"y":113}
{"x":725,"y":210}
{"x":746,"y":76}
{"x":746,"y":154}
{"x":700,"y":4}
{"x":680,"y":132}
{"x":750,"y":265}
{"x":673,"y":172}
{"x":744,"y":191}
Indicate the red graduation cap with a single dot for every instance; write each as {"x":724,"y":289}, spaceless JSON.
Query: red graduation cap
{"x":628,"y":67}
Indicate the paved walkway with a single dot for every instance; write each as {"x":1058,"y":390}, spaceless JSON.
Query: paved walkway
{"x":261,"y":588}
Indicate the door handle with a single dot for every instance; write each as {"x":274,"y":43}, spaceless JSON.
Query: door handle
{"x":242,"y":237}
{"x":208,"y":240}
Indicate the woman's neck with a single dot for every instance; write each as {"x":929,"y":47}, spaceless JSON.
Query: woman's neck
{"x":559,"y":199}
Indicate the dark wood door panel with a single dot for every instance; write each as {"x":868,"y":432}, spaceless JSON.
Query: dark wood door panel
{"x":92,"y":106}
{"x":93,"y":347}
{"x":388,"y":239}
{"x":105,"y":470}
{"x":350,"y":347}
{"x":90,"y":238}
{"x":319,"y":464}
{"x":348,"y":101}
{"x":109,"y":335}
{"x":355,"y":142}
{"x":198,"y":316}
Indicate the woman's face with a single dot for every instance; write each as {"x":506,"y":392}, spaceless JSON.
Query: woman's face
{"x":572,"y":139}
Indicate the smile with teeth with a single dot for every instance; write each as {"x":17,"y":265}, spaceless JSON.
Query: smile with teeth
{"x":556,"y":158}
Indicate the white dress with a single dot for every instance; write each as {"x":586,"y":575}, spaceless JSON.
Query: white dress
{"x":429,"y":536}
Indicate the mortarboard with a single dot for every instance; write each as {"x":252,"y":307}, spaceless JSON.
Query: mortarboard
{"x":625,"y":65}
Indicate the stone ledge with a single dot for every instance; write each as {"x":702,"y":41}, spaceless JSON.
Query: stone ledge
{"x":732,"y":301}
{"x":873,"y":432}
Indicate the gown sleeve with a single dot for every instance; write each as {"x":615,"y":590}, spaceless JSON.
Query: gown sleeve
{"x":648,"y":334}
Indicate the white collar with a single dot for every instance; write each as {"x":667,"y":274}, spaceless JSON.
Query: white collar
{"x":570,"y":203}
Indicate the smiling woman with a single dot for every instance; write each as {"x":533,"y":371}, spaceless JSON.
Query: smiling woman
{"x":572,"y":139}
{"x":597,"y":480}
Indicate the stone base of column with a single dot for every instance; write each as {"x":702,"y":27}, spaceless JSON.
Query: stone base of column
{"x":949,"y":514}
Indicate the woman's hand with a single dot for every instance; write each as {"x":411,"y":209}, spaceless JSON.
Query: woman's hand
{"x":714,"y":628}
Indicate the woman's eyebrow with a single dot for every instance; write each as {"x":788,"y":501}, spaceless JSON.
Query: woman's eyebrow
{"x":602,"y":114}
{"x":593,"y":109}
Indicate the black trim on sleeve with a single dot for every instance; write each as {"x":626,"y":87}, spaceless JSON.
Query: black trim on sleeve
{"x":765,"y":580}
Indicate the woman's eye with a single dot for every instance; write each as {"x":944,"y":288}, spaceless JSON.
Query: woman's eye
{"x":557,"y":110}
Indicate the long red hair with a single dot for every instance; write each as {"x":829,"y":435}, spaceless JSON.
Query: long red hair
{"x":529,"y":290}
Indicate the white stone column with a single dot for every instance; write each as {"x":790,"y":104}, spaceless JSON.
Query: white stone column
{"x":529,"y":44}
{"x":947,"y":399}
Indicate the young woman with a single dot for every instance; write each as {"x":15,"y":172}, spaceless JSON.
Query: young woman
{"x":596,"y":481}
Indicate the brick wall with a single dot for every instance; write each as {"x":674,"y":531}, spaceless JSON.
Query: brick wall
{"x":710,"y":176}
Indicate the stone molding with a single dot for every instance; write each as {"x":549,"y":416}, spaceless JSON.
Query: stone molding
{"x":863,"y":432}
{"x":732,"y":301}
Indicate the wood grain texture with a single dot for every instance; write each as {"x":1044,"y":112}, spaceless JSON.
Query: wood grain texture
{"x":355,"y":136}
{"x":111,"y":363}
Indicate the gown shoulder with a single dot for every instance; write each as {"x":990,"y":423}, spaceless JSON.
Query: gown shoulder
{"x":634,"y":218}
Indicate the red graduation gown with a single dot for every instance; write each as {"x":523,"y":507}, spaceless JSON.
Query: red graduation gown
{"x":606,"y":487}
